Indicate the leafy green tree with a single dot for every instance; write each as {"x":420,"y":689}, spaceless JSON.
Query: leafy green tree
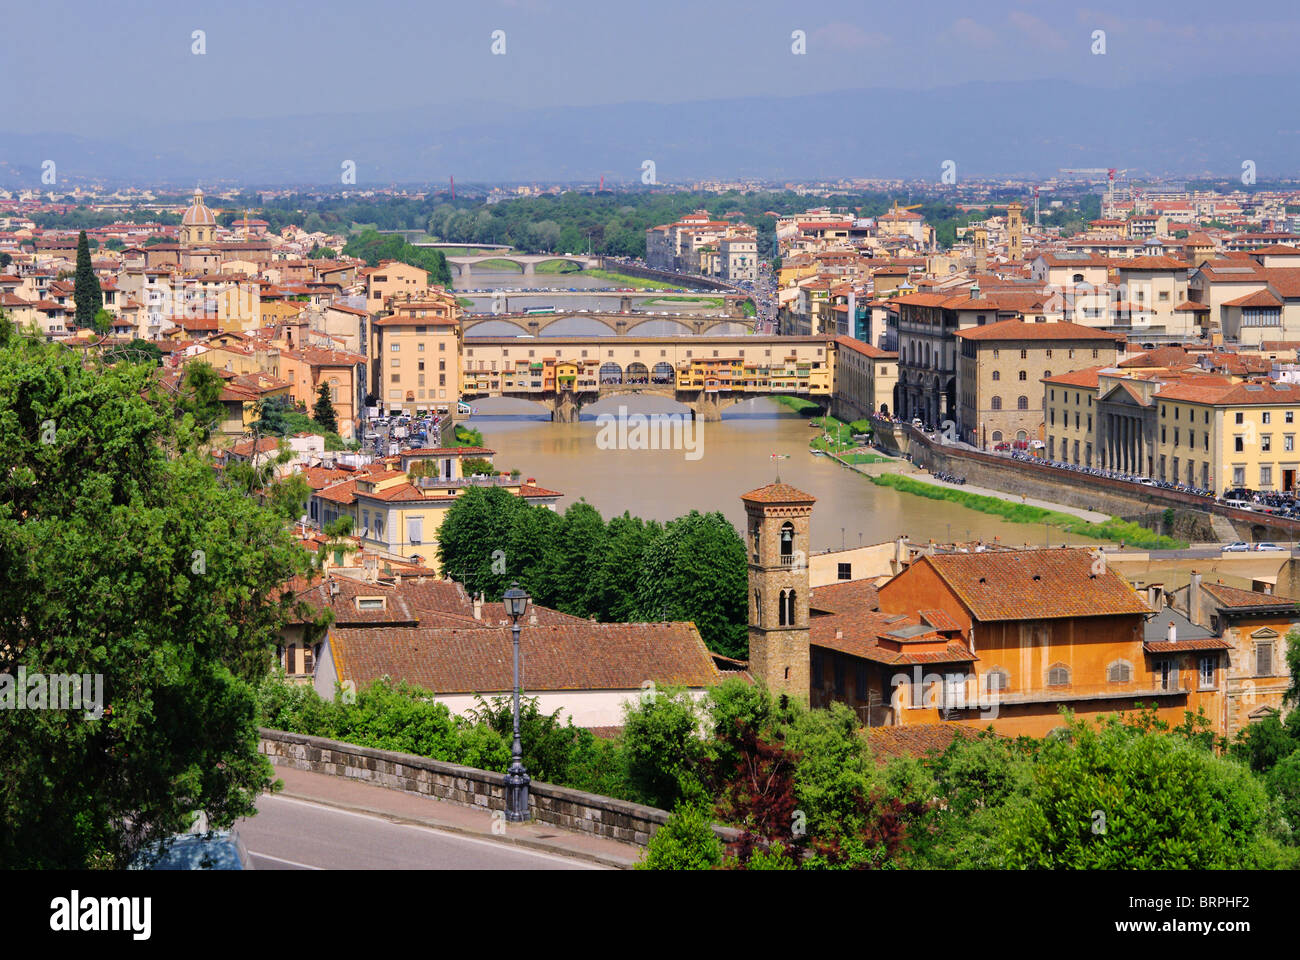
{"x":137,"y":351}
{"x":86,"y":293}
{"x":663,"y":749}
{"x":696,"y":571}
{"x":200,"y":396}
{"x":323,"y":412}
{"x":582,"y":553}
{"x":122,"y":556}
{"x":617,"y":581}
{"x":1116,"y":797}
{"x":476,"y":526}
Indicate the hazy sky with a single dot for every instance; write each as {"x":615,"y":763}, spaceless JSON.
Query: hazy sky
{"x":96,"y":67}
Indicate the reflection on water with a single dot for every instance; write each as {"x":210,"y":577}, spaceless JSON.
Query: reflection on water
{"x":737,"y":456}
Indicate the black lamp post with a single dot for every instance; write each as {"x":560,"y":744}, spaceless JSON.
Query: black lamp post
{"x":517,"y":779}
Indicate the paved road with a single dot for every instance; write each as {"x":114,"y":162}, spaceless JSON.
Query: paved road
{"x":292,"y":834}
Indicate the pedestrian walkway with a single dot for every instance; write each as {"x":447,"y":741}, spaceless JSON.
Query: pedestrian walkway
{"x":1090,"y":515}
{"x":402,"y":807}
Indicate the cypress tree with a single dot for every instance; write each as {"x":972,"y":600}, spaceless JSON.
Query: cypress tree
{"x":86,"y":292}
{"x":323,"y":412}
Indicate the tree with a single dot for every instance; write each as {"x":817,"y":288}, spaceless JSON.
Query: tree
{"x":663,"y":749}
{"x":200,"y":396}
{"x":129,"y":562}
{"x":323,"y":412}
{"x":1116,"y":797}
{"x":696,"y":571}
{"x":86,"y":293}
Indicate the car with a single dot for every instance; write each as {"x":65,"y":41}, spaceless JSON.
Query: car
{"x":1239,"y":546}
{"x":1268,"y":546}
{"x":214,"y":850}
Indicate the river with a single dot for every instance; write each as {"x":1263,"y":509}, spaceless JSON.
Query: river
{"x":734,"y":456}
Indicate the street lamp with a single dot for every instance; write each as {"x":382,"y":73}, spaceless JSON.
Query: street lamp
{"x":517,"y":779}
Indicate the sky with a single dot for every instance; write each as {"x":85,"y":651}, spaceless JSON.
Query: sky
{"x":98,"y":68}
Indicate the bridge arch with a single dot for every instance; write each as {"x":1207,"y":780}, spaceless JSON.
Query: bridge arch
{"x":685,"y":329}
{"x":637,"y":372}
{"x":663,"y":372}
{"x":611,"y":373}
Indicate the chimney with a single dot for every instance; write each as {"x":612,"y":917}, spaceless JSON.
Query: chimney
{"x":1194,"y":598}
{"x":1155,"y":596}
{"x":532,"y":619}
{"x":478,"y":607}
{"x":839,"y":634}
{"x":1173,"y":632}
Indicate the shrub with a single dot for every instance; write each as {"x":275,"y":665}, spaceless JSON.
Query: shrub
{"x":685,"y":842}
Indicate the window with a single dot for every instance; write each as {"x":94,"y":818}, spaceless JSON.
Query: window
{"x":1239,"y":443}
{"x":844,"y":571}
{"x":997,"y":681}
{"x":1167,"y":671}
{"x":1264,"y":659}
{"x":997,"y":434}
{"x":1239,"y":417}
{"x":1265,"y":441}
{"x":997,"y":375}
{"x":1023,"y":376}
{"x":1288,"y":441}
{"x":1024,"y":354}
{"x":1289,"y":416}
{"x":996,"y":403}
{"x":395,"y":347}
{"x":1268,"y":417}
{"x":1094,"y":353}
{"x":1206,"y":672}
{"x":1022,"y":403}
{"x":1266,"y":476}
{"x":1058,"y":676}
{"x":1121,"y":671}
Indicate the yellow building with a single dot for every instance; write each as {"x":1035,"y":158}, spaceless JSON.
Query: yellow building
{"x":416,"y":356}
{"x":398,"y":512}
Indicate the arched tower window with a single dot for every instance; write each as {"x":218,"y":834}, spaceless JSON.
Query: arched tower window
{"x":787,"y":543}
{"x":789,"y":616}
{"x":780,"y":609}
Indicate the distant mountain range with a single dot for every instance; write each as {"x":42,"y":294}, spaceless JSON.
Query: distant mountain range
{"x":986,"y":128}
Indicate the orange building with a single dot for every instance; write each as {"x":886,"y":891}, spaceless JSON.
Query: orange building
{"x":1003,"y":638}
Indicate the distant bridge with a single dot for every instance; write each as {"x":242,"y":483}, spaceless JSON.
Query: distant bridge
{"x":703,"y":373}
{"x":620,"y":324}
{"x":526,"y":262}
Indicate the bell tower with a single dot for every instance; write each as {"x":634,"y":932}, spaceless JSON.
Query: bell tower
{"x":776,"y":540}
{"x":981,"y":248}
{"x":1015,"y":231}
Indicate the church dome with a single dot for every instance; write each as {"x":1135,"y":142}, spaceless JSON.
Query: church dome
{"x":198,"y":215}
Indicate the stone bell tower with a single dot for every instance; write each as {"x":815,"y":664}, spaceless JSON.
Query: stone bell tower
{"x":776,"y":541}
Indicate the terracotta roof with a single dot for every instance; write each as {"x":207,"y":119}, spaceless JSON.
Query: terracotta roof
{"x":915,"y":739}
{"x":574,"y":656}
{"x":1022,"y":330}
{"x":1260,"y":298}
{"x":778,"y":493}
{"x":1199,"y":390}
{"x":866,"y":349}
{"x":1031,"y":585}
{"x":1234,"y":598}
{"x":1078,"y":378}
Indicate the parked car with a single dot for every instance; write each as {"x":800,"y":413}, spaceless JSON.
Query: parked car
{"x":1002,"y":446}
{"x":217,"y":850}
{"x":1268,"y":546}
{"x":1240,"y":546}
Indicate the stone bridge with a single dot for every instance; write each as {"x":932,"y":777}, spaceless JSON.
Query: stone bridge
{"x":527,"y":262}
{"x":566,"y":406}
{"x":621,"y":324}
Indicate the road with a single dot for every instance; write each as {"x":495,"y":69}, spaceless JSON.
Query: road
{"x":292,"y":834}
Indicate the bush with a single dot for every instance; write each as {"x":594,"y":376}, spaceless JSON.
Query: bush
{"x":663,"y":749}
{"x":685,"y":842}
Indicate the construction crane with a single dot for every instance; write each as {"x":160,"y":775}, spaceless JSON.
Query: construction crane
{"x":1110,"y":172}
{"x":897,"y":209}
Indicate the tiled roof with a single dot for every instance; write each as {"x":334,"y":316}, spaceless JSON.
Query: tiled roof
{"x":1079,"y":378}
{"x":574,"y":656}
{"x":1234,"y":598}
{"x":1022,"y":330}
{"x":915,"y":740}
{"x":778,"y":493}
{"x":1032,"y":585}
